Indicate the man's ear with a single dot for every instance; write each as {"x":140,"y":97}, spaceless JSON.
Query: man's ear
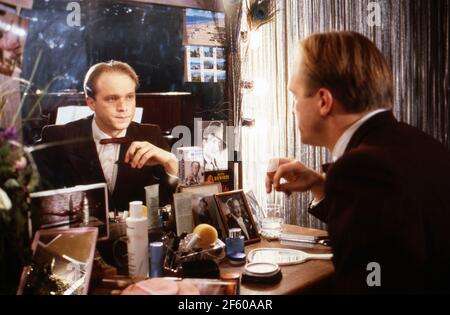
{"x":91,"y":103}
{"x":326,"y":102}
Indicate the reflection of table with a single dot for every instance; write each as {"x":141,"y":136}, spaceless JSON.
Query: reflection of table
{"x":311,"y":276}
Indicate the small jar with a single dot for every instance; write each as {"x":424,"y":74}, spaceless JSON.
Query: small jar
{"x":235,"y":242}
{"x":237,"y":259}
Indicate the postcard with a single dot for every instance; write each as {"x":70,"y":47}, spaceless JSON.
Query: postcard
{"x":204,"y":28}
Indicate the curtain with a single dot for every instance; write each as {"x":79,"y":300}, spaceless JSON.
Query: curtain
{"x":414,"y":38}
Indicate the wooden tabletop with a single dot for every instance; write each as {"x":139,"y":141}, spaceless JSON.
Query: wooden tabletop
{"x":310,"y":276}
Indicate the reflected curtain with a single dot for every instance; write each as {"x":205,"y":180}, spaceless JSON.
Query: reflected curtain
{"x":414,"y":38}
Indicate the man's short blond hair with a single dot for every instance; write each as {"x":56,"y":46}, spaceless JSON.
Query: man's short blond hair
{"x":94,"y":72}
{"x":351,"y":67}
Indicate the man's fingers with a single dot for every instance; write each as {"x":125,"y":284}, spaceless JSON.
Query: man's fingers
{"x":288,"y":187}
{"x":282,"y":161}
{"x":283,"y":172}
{"x":146,"y":157}
{"x":268,"y":185}
{"x":136,"y":153}
{"x":131,"y":151}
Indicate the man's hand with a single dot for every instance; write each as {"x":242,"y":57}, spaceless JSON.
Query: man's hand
{"x":145,"y":153}
{"x":299,"y":179}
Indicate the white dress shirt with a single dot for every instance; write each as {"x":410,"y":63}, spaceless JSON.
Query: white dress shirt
{"x":108,"y":154}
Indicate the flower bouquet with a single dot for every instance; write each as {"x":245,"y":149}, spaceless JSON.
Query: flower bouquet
{"x":18,"y":177}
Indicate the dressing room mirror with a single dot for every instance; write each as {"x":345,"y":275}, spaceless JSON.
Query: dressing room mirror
{"x":151,"y":36}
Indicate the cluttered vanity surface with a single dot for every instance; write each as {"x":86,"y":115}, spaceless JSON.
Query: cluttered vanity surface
{"x":142,"y":252}
{"x":299,"y":275}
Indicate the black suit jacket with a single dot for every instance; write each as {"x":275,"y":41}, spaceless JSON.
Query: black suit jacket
{"x":388,"y":201}
{"x":77,"y":162}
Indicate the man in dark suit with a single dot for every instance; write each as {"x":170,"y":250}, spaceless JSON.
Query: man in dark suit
{"x":108,"y":147}
{"x":385,"y":197}
{"x":237,"y":219}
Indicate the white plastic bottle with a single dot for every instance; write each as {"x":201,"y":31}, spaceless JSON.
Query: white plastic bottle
{"x":137,"y":233}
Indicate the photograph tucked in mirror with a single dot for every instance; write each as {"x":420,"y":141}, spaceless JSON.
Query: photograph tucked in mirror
{"x":191,"y":165}
{"x":214,"y":145}
{"x":62,"y":262}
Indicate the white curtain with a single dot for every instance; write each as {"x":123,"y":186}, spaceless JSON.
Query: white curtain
{"x":409,"y":35}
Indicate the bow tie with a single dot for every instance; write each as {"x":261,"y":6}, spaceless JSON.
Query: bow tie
{"x":118,"y":140}
{"x":326,"y":167}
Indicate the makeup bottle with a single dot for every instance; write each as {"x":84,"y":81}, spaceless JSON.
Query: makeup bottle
{"x":235,"y":241}
{"x":235,"y":247}
{"x":137,"y":233}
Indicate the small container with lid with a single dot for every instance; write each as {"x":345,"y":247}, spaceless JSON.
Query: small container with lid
{"x":235,"y":242}
{"x":156,"y":251}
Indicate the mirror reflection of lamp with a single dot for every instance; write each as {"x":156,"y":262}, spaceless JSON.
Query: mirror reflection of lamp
{"x":85,"y":210}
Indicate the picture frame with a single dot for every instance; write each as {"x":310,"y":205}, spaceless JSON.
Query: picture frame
{"x":239,"y":216}
{"x":69,"y":253}
{"x":258,"y":212}
{"x":204,"y":206}
{"x":72,"y":207}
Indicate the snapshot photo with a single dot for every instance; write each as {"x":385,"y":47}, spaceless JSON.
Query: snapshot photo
{"x":196,"y":76}
{"x":191,"y":165}
{"x":220,"y":52}
{"x":208,"y":65}
{"x":221,"y":65}
{"x":195,"y":65}
{"x":204,"y":207}
{"x":194,"y":52}
{"x":214,"y":145}
{"x":204,"y":28}
{"x":208,"y":77}
{"x":221,"y":76}
{"x":208,"y":52}
{"x":204,"y":210}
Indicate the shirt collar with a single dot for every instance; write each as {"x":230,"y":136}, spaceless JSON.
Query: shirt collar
{"x":98,"y":134}
{"x":344,"y":139}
